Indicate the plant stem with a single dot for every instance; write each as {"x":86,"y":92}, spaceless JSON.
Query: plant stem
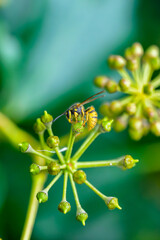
{"x":37,"y":185}
{"x":65,"y":186}
{"x":53,"y":182}
{"x":125,"y":75}
{"x":42,"y":156}
{"x":156,"y":81}
{"x":113,"y":162}
{"x":70,"y":145}
{"x":59,"y":155}
{"x":86,"y":144}
{"x":74,"y":191}
{"x":101,"y":195}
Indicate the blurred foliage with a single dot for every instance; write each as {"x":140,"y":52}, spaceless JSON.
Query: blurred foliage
{"x":50,"y":51}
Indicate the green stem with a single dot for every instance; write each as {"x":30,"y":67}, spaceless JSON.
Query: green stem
{"x":124,"y":74}
{"x":147,"y":73}
{"x":49,"y":129}
{"x":70,"y":145}
{"x":65,"y":186}
{"x":86,"y":144}
{"x":59,"y":155}
{"x":37,"y":185}
{"x":43,"y":156}
{"x":156,"y":81}
{"x":74,"y":191}
{"x":107,"y":163}
{"x":41,"y":139}
{"x":101,"y":195}
{"x":53,"y":182}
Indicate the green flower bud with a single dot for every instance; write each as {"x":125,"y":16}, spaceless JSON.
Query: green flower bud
{"x":34,"y":169}
{"x":155,"y":128}
{"x":64,"y":207}
{"x":46,"y":118}
{"x":132,"y":64}
{"x":101,"y":81}
{"x":120,"y":123}
{"x":53,"y":168}
{"x":116,"y":107}
{"x":78,"y":127}
{"x":105,"y":125}
{"x":152,"y":52}
{"x":53,"y":141}
{"x":42,"y":196}
{"x":124,"y":84}
{"x":105,"y":110}
{"x":137,"y":49}
{"x":79,"y":176}
{"x":116,"y":62}
{"x":128,"y":53}
{"x":111,"y":86}
{"x":128,"y":162}
{"x":148,"y":89}
{"x":81,"y":216}
{"x":136,"y":134}
{"x":150,"y":112}
{"x":155,"y":63}
{"x":39,"y":127}
{"x":24,"y":147}
{"x":112,"y":203}
{"x":131,"y":108}
{"x":136,"y":123}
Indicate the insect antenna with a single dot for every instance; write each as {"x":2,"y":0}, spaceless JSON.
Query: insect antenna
{"x":59,"y":116}
{"x":91,"y":99}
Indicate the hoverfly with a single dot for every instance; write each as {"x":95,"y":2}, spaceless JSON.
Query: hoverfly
{"x":77,"y":112}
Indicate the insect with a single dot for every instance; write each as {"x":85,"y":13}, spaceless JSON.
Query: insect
{"x":77,"y":112}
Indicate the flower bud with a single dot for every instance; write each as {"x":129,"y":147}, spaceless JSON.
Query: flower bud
{"x":116,"y":62}
{"x":64,"y":207}
{"x":124,"y":84}
{"x":24,"y":147}
{"x":155,"y":63}
{"x":136,"y":134}
{"x":150,"y":112}
{"x":34,"y":169}
{"x":152,"y":52}
{"x":116,"y":107}
{"x":39,"y":127}
{"x":42,"y":196}
{"x":81,"y":216}
{"x":128,"y":162}
{"x":105,"y":125}
{"x":148,"y":89}
{"x":79,"y":176}
{"x":101,"y":81}
{"x":78,"y":127}
{"x":146,"y":127}
{"x":111,"y":86}
{"x":53,"y":141}
{"x":112,"y":203}
{"x":131,"y":108}
{"x":137,"y":49}
{"x":132,"y":64}
{"x":105,"y":110}
{"x":155,"y":128}
{"x":120,"y":123}
{"x":128,"y":53}
{"x":53,"y":168}
{"x":136,"y":123}
{"x":46,"y":118}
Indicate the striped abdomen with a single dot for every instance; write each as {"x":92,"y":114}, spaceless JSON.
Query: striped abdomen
{"x":91,"y":116}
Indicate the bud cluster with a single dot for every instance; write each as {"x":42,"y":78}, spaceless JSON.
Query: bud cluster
{"x":67,"y":165}
{"x":138,"y":108}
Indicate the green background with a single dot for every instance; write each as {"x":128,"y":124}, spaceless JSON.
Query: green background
{"x":50,"y":52}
